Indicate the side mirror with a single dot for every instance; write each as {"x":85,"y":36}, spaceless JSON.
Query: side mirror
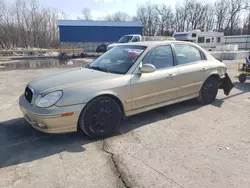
{"x":147,"y":68}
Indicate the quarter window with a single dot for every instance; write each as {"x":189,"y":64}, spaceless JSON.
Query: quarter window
{"x":187,"y":54}
{"x":193,"y":35}
{"x":201,"y":39}
{"x":161,"y":57}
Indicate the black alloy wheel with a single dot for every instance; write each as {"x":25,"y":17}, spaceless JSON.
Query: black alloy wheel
{"x":100,"y":118}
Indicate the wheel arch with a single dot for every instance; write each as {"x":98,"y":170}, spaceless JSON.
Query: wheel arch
{"x":214,"y":75}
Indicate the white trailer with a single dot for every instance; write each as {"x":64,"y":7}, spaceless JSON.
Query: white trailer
{"x":207,"y":40}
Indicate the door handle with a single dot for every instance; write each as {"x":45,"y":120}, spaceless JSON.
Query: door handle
{"x":203,"y":69}
{"x":170,"y":76}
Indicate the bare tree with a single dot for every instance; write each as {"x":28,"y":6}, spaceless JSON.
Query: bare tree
{"x":246,"y":23}
{"x":86,"y":14}
{"x":26,"y":23}
{"x":148,"y":16}
{"x":180,"y":17}
{"x":235,"y":9}
{"x":209,"y":18}
{"x":118,"y":17}
{"x":221,"y":12}
{"x":165,"y":20}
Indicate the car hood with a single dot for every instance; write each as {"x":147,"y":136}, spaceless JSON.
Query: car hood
{"x":60,"y":80}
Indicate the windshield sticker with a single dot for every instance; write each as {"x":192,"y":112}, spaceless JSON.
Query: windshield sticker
{"x":137,"y":51}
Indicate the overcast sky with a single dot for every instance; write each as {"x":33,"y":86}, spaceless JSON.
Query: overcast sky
{"x":101,"y":8}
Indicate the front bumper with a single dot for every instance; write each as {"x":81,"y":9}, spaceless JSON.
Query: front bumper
{"x":51,"y":120}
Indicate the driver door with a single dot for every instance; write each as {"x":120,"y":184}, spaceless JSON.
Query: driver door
{"x":160,"y":86}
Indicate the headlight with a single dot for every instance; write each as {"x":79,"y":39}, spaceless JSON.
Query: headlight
{"x":49,"y":99}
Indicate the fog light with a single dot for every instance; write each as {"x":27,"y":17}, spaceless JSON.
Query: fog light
{"x":41,"y":125}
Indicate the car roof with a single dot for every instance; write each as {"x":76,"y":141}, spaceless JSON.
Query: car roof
{"x":153,"y":43}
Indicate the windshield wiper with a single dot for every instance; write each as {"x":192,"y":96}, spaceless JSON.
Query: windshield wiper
{"x":103,"y":69}
{"x":98,"y":68}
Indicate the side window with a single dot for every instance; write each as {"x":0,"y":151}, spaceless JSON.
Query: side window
{"x":208,"y":40}
{"x":186,"y":54}
{"x":161,"y":57}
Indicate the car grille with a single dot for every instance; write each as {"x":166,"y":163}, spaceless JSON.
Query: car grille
{"x":28,"y":94}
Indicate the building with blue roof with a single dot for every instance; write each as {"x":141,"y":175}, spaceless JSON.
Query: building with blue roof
{"x":85,"y":31}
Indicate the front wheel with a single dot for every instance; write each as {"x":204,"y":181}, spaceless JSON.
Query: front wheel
{"x":209,"y":91}
{"x":100,"y":118}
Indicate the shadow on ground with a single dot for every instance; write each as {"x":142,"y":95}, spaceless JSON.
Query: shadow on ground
{"x":159,"y":114}
{"x":242,"y":87}
{"x":20,"y":143}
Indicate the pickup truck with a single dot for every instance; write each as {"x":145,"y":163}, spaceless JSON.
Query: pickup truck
{"x":137,"y":38}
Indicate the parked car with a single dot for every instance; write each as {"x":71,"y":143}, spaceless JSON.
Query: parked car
{"x":126,"y":39}
{"x":126,"y":80}
{"x":138,"y":38}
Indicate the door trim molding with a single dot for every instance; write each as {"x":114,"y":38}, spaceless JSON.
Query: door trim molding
{"x":158,"y":105}
{"x":191,"y":85}
{"x":153,"y":95}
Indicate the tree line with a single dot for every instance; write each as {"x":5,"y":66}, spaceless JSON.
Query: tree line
{"x":229,"y":16}
{"x":25,"y":23}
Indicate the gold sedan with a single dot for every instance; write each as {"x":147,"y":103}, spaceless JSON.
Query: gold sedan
{"x":126,"y":80}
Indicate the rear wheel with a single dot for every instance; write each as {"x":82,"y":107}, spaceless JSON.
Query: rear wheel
{"x":242,"y":78}
{"x":100,"y":118}
{"x":209,"y":91}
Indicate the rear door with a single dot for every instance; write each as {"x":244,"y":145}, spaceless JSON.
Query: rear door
{"x":193,"y":68}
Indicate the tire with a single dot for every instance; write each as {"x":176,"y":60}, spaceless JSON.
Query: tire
{"x":102,"y":48}
{"x":63,"y":56}
{"x":208,"y":91}
{"x":100,"y":118}
{"x":242,"y":78}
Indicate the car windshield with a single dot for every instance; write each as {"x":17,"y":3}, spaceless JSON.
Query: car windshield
{"x":117,"y":60}
{"x":125,"y":39}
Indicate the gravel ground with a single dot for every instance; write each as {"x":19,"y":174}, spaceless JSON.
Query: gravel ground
{"x":182,"y":145}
